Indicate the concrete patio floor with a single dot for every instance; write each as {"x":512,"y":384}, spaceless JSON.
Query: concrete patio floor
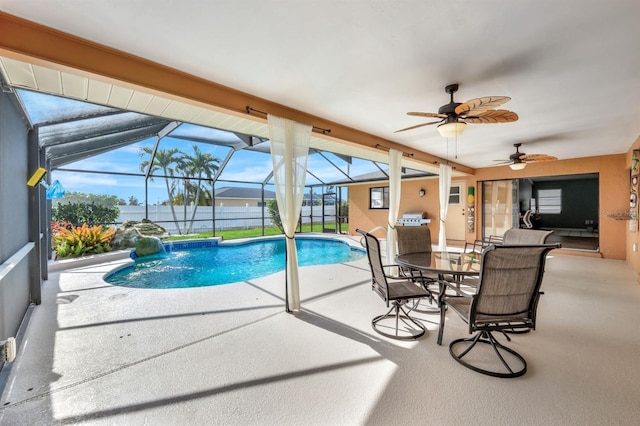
{"x":97,"y":354}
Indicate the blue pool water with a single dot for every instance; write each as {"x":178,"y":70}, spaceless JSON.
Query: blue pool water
{"x":227,"y":263}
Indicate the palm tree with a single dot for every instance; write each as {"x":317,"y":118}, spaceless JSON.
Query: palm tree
{"x":165,"y":160}
{"x":198,"y":166}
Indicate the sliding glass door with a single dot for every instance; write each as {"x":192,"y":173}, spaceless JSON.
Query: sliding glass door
{"x":501,"y":208}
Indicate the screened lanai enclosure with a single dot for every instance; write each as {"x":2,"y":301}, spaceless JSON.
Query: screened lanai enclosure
{"x":187,"y":178}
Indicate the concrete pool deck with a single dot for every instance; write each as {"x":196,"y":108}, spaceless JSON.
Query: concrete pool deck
{"x":97,"y":354}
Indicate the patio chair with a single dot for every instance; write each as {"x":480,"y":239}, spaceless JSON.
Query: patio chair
{"x":395,"y":291}
{"x":506,"y":299}
{"x":478,"y":245}
{"x":417,"y":239}
{"x":525,"y":236}
{"x":414,"y":239}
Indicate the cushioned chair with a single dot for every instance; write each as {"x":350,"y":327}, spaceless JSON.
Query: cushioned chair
{"x":506,"y":299}
{"x":395,"y":292}
{"x":525,"y":236}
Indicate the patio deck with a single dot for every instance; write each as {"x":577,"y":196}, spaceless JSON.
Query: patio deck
{"x":97,"y":354}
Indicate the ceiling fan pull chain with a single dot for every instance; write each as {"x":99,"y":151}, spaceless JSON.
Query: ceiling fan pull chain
{"x":456,"y":147}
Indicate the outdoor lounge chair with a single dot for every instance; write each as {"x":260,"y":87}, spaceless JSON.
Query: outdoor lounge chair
{"x":394,"y":291}
{"x":506,"y":299}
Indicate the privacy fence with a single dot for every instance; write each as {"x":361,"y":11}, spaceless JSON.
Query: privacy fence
{"x":207,"y":219}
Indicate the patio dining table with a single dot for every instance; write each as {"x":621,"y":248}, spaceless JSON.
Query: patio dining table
{"x":449,"y":266}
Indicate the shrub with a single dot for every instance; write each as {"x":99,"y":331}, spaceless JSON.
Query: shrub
{"x":91,"y":213}
{"x":272,"y":207}
{"x":82,"y":240}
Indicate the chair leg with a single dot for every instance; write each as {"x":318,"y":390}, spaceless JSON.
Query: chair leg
{"x":443,"y":311}
{"x":500,"y":350}
{"x":398,"y":313}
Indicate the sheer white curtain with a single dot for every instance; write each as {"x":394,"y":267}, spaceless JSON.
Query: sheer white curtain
{"x":289,"y":152}
{"x":395,"y":188}
{"x":444,"y":188}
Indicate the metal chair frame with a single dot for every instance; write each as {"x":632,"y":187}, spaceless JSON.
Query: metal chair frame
{"x":395,"y":292}
{"x":498,"y":306}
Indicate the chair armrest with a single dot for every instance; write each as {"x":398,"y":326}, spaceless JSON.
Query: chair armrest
{"x":455,"y":288}
{"x":394,"y":277}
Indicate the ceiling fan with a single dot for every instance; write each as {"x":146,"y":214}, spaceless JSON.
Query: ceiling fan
{"x":518,"y":160}
{"x":455,"y":116}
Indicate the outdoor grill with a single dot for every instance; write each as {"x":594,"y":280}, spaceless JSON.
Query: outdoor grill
{"x":414,"y":219}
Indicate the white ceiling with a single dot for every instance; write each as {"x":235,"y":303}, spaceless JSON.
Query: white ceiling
{"x":571,"y":67}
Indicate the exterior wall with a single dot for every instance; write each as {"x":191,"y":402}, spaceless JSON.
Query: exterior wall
{"x":361,"y":217}
{"x":633,"y":257}
{"x":613,"y":173}
{"x":613,"y":188}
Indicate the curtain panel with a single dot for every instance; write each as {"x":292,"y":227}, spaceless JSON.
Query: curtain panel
{"x":395,"y":189}
{"x":289,"y":143}
{"x":444,"y":189}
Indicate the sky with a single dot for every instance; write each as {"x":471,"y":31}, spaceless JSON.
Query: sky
{"x":245,"y":166}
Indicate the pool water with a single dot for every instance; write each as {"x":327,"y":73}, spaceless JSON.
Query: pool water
{"x":226,"y":263}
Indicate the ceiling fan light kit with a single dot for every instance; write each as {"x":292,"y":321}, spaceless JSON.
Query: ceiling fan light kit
{"x":451,"y":129}
{"x":519,"y":160}
{"x":518,"y":166}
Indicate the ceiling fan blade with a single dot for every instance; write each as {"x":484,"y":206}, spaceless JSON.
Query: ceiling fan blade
{"x":478,"y":105}
{"x":427,"y":114}
{"x":531,"y":158}
{"x":493,"y":116}
{"x":502,"y":161}
{"x":415,"y":127}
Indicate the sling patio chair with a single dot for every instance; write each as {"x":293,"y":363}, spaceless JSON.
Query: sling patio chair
{"x":506,"y":299}
{"x":395,"y":291}
{"x":525,"y":236}
{"x":417,"y":239}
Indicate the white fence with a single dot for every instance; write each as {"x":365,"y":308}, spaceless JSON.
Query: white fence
{"x":226,"y":217}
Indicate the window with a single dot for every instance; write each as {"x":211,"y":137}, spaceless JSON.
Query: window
{"x":454,"y":195}
{"x":379,"y":198}
{"x":550,"y":201}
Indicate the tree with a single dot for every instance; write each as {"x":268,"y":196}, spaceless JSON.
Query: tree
{"x":198,"y":166}
{"x":133,"y":201}
{"x":165,"y":160}
{"x":272,"y":208}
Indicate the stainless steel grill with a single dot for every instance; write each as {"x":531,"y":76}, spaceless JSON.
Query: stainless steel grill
{"x":414,"y":219}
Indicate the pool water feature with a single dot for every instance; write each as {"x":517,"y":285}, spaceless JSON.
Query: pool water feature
{"x":207,"y":263}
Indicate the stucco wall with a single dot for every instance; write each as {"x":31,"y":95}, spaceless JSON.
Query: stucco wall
{"x":613,"y":173}
{"x":633,"y":257}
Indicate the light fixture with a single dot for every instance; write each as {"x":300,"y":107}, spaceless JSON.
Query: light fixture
{"x":422,"y":192}
{"x":518,"y":165}
{"x":451,"y":128}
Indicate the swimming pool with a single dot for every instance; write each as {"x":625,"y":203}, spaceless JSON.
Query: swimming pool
{"x":207,"y":263}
